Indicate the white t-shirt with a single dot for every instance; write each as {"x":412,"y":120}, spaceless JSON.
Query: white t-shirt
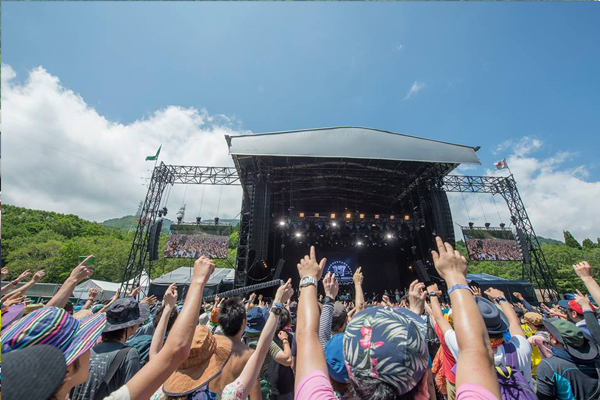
{"x":522,"y":346}
{"x":121,"y":394}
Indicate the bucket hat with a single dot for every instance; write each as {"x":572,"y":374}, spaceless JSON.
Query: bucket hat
{"x":576,"y":342}
{"x":208,"y":355}
{"x":55,"y":327}
{"x":45,"y":365}
{"x":124,"y":313}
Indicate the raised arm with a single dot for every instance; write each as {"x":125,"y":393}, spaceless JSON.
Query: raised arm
{"x":310,"y":356}
{"x":525,"y":302}
{"x":584,"y":272}
{"x":359,"y":295}
{"x":80,"y":273}
{"x":436,"y":308}
{"x":475,"y":365}
{"x":13,"y":284}
{"x":514,"y":324}
{"x":177,"y":347}
{"x":588,"y":315}
{"x":158,"y":338}
{"x":331,"y":286}
{"x":251,"y":370}
{"x":23,"y":289}
{"x":416,"y":297}
{"x":92,"y":294}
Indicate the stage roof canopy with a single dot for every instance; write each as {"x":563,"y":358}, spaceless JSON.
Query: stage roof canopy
{"x":351,"y":142}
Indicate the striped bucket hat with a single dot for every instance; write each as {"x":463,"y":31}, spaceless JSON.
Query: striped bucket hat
{"x":55,"y":327}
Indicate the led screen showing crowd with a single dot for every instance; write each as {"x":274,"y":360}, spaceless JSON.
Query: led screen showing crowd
{"x":491,"y":245}
{"x":188,"y":245}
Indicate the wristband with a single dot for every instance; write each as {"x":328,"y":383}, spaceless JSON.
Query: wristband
{"x":327,"y":300}
{"x":458,"y":286}
{"x":500,"y":299}
{"x":276,"y":310}
{"x":433,"y":294}
{"x":278,"y":305}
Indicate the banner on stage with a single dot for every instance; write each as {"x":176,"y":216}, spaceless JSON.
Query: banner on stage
{"x":342,"y":265}
{"x":491,"y":244}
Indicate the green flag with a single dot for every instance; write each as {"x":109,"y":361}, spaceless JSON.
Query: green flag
{"x":154,"y":157}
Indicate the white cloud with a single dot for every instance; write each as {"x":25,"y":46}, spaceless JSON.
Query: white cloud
{"x":414,"y":89}
{"x":60,"y":154}
{"x":398,"y":46}
{"x":557,"y":198}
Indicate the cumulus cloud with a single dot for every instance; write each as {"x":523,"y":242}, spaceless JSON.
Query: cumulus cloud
{"x":60,"y":154}
{"x":414,"y":89}
{"x":556,"y":197}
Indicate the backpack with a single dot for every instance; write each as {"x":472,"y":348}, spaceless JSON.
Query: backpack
{"x":513,"y":384}
{"x":142,"y":345}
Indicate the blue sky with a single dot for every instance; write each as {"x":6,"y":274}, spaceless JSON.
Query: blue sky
{"x":482,"y":73}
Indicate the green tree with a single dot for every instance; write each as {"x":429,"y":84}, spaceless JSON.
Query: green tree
{"x":570,"y":241}
{"x":588,"y":244}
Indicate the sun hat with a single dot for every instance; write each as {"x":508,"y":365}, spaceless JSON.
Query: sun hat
{"x":208,"y":355}
{"x":14,"y":312}
{"x":576,"y":342}
{"x":334,"y":356}
{"x":533,"y":318}
{"x":255,"y":320}
{"x":387,"y":343}
{"x":494,"y":319}
{"x":124,"y":313}
{"x":97,"y":307}
{"x":45,"y":365}
{"x":55,"y":327}
{"x":82,"y":314}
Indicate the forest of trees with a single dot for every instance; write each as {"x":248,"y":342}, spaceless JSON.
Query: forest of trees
{"x":45,"y":240}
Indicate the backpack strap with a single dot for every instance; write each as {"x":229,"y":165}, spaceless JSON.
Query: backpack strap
{"x":115,"y":364}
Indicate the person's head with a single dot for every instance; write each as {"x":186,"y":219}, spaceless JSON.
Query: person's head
{"x":386,"y":355}
{"x":69,"y":307}
{"x":495,"y":321}
{"x":55,"y":327}
{"x":338,"y":322}
{"x":534,"y":320}
{"x":255,"y":321}
{"x":566,"y":335}
{"x":123,"y":317}
{"x":158,"y":315}
{"x":232,"y":317}
{"x":573,"y":309}
{"x":285,"y":319}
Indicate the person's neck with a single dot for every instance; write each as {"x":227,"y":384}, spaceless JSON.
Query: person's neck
{"x":237,"y":338}
{"x":63,"y":392}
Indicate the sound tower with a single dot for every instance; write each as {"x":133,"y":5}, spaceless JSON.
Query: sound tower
{"x":442,"y":216}
{"x":154,"y":239}
{"x":278,"y":269}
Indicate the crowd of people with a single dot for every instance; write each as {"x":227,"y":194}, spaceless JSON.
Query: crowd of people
{"x":195,"y":246}
{"x":463,"y":344}
{"x":493,"y":250}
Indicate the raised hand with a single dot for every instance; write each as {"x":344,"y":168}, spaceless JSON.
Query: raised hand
{"x":4,"y":273}
{"x":149,"y":300}
{"x":309,"y":266}
{"x":434,"y":288}
{"x":170,"y":297}
{"x":386,"y":299}
{"x":416,"y":297}
{"x":93,"y":293}
{"x":448,"y":262}
{"x":24,"y":275}
{"x":476,"y":291}
{"x":135,"y":292}
{"x":518,"y":295}
{"x":331,"y":285}
{"x":38,"y":276}
{"x":583,"y":301}
{"x":493,"y":293}
{"x":203,"y":269}
{"x":358,"y":276}
{"x":282,"y":335}
{"x":284,"y":292}
{"x":82,"y":271}
{"x":583,"y":269}
{"x":252,"y":298}
{"x":15,"y":300}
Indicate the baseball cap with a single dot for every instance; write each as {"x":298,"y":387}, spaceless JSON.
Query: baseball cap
{"x":255,"y":320}
{"x":387,"y":344}
{"x":574,"y":305}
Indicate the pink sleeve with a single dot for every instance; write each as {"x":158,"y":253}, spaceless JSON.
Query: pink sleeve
{"x":471,"y":391}
{"x":315,"y":385}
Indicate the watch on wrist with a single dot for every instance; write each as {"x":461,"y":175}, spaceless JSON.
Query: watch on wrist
{"x":307,"y":281}
{"x":327,"y":300}
{"x":499,"y":300}
{"x":276,"y":310}
{"x":433,"y":294}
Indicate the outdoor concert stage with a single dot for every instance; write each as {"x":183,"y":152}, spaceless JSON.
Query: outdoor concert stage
{"x":362,"y":197}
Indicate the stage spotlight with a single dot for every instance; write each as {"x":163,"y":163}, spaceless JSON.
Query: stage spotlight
{"x":487,"y":224}
{"x":298,"y":234}
{"x":376,"y":216}
{"x":301,"y":215}
{"x":332,"y":216}
{"x":348,"y":216}
{"x":471,"y":224}
{"x":359,"y":243}
{"x":316,"y":215}
{"x":389,"y":236}
{"x":406,"y":217}
{"x":392,"y":217}
{"x":362,"y":216}
{"x":334,"y":224}
{"x":282,"y":223}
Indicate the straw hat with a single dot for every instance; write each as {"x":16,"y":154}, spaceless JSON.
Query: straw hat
{"x":208,"y":356}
